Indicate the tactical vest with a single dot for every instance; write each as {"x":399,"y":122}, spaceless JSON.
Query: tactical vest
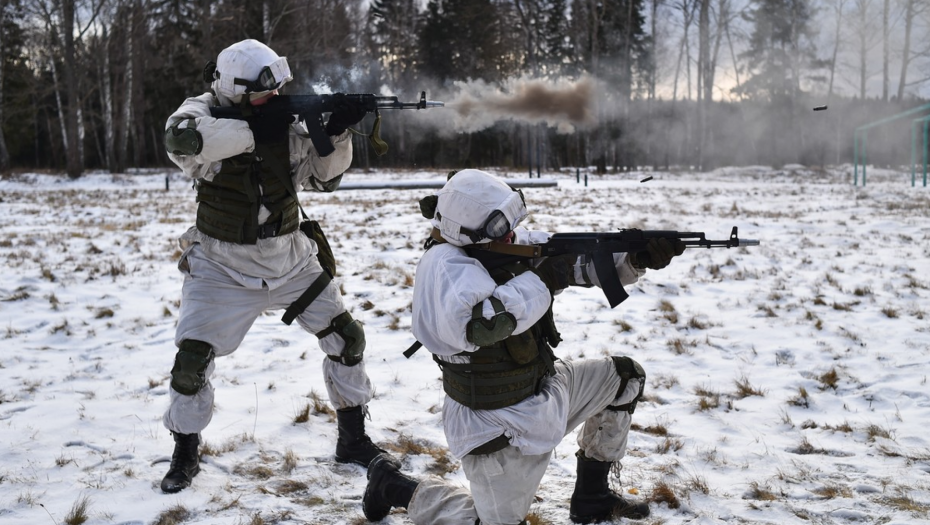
{"x":228,"y":205}
{"x":507,"y":372}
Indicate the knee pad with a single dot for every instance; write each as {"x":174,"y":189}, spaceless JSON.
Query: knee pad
{"x":352,"y":333}
{"x":628,"y":369}
{"x":188,"y":376}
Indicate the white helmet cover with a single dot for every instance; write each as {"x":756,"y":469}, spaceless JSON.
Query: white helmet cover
{"x":468,"y":199}
{"x":245,"y":60}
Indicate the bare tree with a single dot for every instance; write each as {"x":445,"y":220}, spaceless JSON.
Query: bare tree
{"x":906,"y":53}
{"x":839,"y":11}
{"x":865,"y":29}
{"x":4,"y":153}
{"x":687,"y":8}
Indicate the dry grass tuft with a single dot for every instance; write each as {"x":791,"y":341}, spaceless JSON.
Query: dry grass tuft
{"x":303,"y":414}
{"x":760,"y":492}
{"x":289,"y":461}
{"x":320,"y":406}
{"x":442,"y":463}
{"x":78,"y":513}
{"x":802,"y":399}
{"x":829,"y":379}
{"x":535,"y":519}
{"x":744,"y":389}
{"x":709,"y":399}
{"x":173,"y":516}
{"x":831,"y":491}
{"x":670,"y":444}
{"x":623,"y":325}
{"x":663,"y":493}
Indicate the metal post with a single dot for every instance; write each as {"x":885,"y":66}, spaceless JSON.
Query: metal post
{"x":914,"y":152}
{"x":856,"y":158}
{"x":538,"y":155}
{"x":529,"y":150}
{"x":926,"y":135}
{"x":865,"y":159}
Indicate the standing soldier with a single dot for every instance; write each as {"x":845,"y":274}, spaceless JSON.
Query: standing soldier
{"x":250,"y":252}
{"x":488,"y":323}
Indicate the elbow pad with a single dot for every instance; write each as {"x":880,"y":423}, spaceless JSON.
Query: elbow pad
{"x":327,"y":186}
{"x":184,"y":141}
{"x":485,"y":332}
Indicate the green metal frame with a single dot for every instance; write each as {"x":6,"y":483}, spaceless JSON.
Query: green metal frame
{"x":864,"y":141}
{"x":926,"y":136}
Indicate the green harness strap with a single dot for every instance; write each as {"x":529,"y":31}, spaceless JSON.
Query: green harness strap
{"x":310,"y":294}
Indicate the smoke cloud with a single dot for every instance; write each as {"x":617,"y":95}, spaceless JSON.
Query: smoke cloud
{"x":561,"y":104}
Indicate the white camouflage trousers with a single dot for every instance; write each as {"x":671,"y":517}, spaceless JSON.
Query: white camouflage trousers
{"x":219,"y":310}
{"x":503,"y":484}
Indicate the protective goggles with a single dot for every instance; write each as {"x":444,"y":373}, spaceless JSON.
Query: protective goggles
{"x":497,"y":225}
{"x":271,"y":77}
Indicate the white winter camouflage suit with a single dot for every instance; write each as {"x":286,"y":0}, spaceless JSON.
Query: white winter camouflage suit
{"x":503,"y":484}
{"x":228,"y":285}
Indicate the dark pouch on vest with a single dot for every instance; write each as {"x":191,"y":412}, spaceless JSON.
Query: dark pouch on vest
{"x":522,"y":347}
{"x":313,"y":230}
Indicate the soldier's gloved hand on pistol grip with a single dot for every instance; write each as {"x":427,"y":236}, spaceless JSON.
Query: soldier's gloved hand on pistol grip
{"x":346,"y":112}
{"x":556,"y":272}
{"x":659,"y":252}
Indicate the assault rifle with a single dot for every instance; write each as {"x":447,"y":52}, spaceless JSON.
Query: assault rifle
{"x":310,"y":109}
{"x":600,"y":248}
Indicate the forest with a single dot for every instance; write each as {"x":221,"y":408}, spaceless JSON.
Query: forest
{"x":690,"y":84}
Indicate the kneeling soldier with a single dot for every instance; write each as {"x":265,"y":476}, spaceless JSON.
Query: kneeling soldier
{"x":488,"y":322}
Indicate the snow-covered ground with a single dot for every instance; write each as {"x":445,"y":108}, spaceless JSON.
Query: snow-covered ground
{"x":787,"y":382}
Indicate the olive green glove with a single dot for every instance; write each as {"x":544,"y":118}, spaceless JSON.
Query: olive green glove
{"x":659,"y":252}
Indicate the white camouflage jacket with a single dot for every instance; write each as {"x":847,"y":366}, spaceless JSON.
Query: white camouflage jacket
{"x":448,"y":285}
{"x":270,"y":261}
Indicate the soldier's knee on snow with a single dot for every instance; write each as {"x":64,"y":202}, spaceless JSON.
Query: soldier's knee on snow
{"x":628,"y":369}
{"x":351,"y":331}
{"x":188,"y":376}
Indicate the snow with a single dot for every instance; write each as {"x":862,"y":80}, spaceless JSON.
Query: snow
{"x":787,"y":381}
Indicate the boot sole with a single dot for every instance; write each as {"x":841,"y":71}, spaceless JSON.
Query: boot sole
{"x":178,"y":488}
{"x":606,"y":517}
{"x":376,"y":514}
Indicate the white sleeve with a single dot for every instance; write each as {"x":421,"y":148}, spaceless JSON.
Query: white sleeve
{"x":222,"y":138}
{"x":310,"y":169}
{"x":449,"y":284}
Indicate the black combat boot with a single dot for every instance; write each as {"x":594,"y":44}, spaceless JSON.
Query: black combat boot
{"x":185,"y":463}
{"x":387,"y":487}
{"x":593,"y":501}
{"x":353,"y":445}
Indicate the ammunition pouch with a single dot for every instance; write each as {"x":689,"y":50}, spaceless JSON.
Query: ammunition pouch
{"x":628,"y":369}
{"x":184,"y":142}
{"x":351,"y":331}
{"x":188,"y":375}
{"x":484,"y":332}
{"x":324,"y":253}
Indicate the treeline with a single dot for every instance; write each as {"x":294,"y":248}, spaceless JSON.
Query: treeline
{"x":89,"y":84}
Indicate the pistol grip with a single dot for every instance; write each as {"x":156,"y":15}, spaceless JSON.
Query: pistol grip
{"x":317,"y":132}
